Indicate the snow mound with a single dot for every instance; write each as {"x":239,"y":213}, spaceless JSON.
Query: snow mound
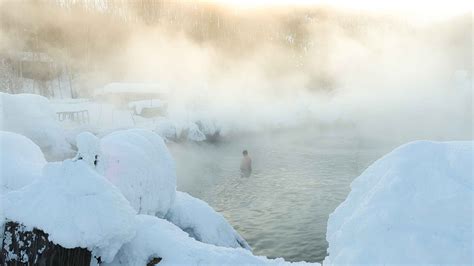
{"x":202,"y":223}
{"x":76,"y":207}
{"x":412,"y":206}
{"x":138,"y":162}
{"x":21,"y":161}
{"x":160,"y":238}
{"x":31,"y":115}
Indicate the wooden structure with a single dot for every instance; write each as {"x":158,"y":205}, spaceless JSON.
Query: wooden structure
{"x":81,"y":116}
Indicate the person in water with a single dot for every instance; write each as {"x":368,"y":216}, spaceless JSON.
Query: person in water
{"x":245,"y":165}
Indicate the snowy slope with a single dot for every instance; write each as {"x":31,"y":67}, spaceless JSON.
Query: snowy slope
{"x":414,"y":205}
{"x":160,"y":238}
{"x":202,"y":223}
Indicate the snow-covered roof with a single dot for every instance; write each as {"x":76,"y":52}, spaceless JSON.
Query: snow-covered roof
{"x":140,"y":105}
{"x":136,"y":88}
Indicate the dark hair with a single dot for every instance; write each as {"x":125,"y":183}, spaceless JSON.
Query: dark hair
{"x":245,"y":152}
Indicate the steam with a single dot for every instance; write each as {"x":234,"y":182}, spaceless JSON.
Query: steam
{"x":250,"y":70}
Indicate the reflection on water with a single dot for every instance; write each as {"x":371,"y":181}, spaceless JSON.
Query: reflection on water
{"x":298,"y":179}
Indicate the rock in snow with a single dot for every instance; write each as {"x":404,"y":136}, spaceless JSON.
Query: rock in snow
{"x":202,"y":223}
{"x":77,"y":208}
{"x":32,"y":116}
{"x":138,"y":162}
{"x":413,"y":206}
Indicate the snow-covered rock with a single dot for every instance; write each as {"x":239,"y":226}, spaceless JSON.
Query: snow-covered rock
{"x":202,"y":223}
{"x":159,"y":238}
{"x":166,"y":129}
{"x":88,"y":148}
{"x":413,"y":206}
{"x":138,"y":162}
{"x":76,"y":207}
{"x":32,"y":116}
{"x":21,"y":161}
{"x":194,"y":134}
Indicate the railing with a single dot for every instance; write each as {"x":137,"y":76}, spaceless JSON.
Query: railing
{"x":81,"y":116}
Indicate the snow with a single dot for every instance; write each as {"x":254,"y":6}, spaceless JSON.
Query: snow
{"x":21,"y":161}
{"x":159,"y":238}
{"x":76,"y":207}
{"x":202,"y":223}
{"x":138,"y":162}
{"x":32,"y":116}
{"x":413,"y":206}
{"x":88,"y":148}
{"x":166,"y":129}
{"x":193,"y":133}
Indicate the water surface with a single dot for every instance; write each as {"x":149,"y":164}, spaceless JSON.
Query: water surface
{"x":299,"y":178}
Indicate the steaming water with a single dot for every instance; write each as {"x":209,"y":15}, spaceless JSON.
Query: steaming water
{"x":299,"y":178}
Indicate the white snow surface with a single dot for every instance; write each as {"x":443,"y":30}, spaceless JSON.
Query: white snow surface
{"x":413,"y":206}
{"x":201,"y":222}
{"x":21,"y":161}
{"x":159,"y":238}
{"x":76,"y":207}
{"x":138,"y":162}
{"x":32,"y":116}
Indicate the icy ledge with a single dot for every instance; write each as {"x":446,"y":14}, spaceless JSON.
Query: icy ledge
{"x":413,"y":206}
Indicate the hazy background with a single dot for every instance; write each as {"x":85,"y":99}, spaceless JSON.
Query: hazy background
{"x":380,"y":73}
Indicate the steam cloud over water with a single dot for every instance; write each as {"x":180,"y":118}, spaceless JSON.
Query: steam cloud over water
{"x":382,"y":74}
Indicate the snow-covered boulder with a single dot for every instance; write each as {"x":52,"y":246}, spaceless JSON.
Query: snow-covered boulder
{"x":88,"y":148}
{"x":138,"y":162}
{"x":202,"y":223}
{"x":76,"y":207}
{"x":32,"y":116}
{"x":166,"y":129}
{"x":413,"y":206}
{"x":193,"y":133}
{"x":21,"y":161}
{"x":160,"y":238}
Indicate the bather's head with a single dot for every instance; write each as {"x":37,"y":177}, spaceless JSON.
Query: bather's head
{"x":245,"y":153}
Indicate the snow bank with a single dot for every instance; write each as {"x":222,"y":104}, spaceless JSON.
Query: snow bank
{"x":76,"y":207}
{"x":202,"y":223}
{"x":140,"y":165}
{"x":415,"y":206}
{"x":160,"y":238}
{"x":21,"y":161}
{"x":31,"y":115}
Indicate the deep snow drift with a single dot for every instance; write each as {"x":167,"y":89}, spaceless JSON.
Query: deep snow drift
{"x":32,"y":116}
{"x":414,"y":205}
